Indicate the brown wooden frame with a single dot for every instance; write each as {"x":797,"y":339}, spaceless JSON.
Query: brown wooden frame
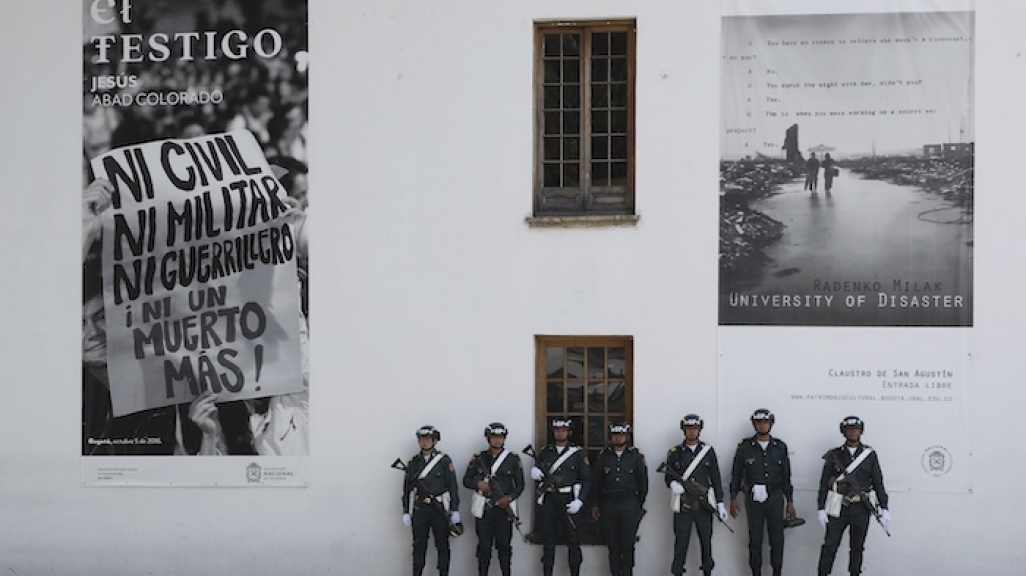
{"x":589,"y":529}
{"x":585,"y":191}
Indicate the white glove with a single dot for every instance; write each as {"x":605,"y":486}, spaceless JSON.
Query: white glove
{"x":676,"y":487}
{"x":536,"y":474}
{"x":722,"y":510}
{"x":885,"y":517}
{"x":822,"y":515}
{"x":574,"y":507}
{"x":759,"y":493}
{"x":407,"y":520}
{"x":455,"y":517}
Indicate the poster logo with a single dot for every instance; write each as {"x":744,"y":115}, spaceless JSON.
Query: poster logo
{"x":936,"y":461}
{"x":253,"y":473}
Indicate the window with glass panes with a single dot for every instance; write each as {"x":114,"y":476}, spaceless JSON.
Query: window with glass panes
{"x":585,"y":116}
{"x":590,"y":379}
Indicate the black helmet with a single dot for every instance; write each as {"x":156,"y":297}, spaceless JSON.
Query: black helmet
{"x":763,"y":414}
{"x":455,"y":530}
{"x":429,"y":430}
{"x":496,"y":429}
{"x":852,"y":422}
{"x":692,"y":420}
{"x":562,"y":422}
{"x":619,"y":428}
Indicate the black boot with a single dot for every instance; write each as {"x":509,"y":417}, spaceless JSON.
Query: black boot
{"x":546,"y":570}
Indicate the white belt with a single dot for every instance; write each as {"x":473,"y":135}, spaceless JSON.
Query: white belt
{"x":565,"y":489}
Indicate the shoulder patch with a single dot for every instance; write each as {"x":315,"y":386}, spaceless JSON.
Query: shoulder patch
{"x":451,"y":467}
{"x":586,"y":460}
{"x":672,"y":450}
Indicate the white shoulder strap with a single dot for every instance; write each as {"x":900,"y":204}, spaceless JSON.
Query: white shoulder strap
{"x":855,"y":463}
{"x":430,"y":465}
{"x":498,"y":461}
{"x":559,"y":462}
{"x":696,"y":461}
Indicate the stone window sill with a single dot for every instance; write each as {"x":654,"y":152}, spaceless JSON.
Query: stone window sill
{"x":595,"y":221}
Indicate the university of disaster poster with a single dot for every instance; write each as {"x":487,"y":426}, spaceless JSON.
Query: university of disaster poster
{"x":846,"y":229}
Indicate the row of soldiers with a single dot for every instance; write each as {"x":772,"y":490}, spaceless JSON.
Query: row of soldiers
{"x":851,"y":492}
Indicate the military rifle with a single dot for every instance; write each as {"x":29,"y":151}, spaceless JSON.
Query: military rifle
{"x":859,"y":494}
{"x":455,"y":529}
{"x":549,"y":484}
{"x":496,"y":493}
{"x":695,"y":491}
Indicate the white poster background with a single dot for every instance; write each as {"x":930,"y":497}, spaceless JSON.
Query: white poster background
{"x":909,"y":385}
{"x":235,"y":471}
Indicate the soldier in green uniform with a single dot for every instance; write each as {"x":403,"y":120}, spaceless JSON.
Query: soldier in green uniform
{"x":430,"y":476}
{"x":497,"y":478}
{"x":762,"y":469}
{"x":620,"y":477}
{"x":694,"y":461}
{"x":853,"y":512}
{"x":561,"y":500}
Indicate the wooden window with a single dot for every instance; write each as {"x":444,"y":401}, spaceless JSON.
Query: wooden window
{"x":584,"y":103}
{"x":590,"y":379}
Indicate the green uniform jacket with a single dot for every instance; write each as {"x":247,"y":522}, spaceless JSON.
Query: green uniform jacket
{"x":868,"y":475}
{"x":753,"y":466}
{"x":509,"y":476}
{"x":441,"y":479}
{"x":615,"y":475}
{"x":707,"y":473}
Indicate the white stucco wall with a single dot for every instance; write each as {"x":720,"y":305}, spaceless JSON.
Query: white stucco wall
{"x":428,"y":288}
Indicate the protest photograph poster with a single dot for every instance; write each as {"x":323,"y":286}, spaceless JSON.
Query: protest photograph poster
{"x":195,"y":259}
{"x":846,"y":168}
{"x":846,"y":232}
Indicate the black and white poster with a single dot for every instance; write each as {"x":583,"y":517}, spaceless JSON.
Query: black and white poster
{"x":846,"y":230}
{"x":846,"y":171}
{"x":194,"y":255}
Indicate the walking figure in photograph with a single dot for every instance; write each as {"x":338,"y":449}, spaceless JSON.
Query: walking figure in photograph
{"x":564,"y":478}
{"x":621,"y":485}
{"x":497,"y":478}
{"x":693,"y":475}
{"x":762,"y":469}
{"x":851,"y":489}
{"x":829,"y":166}
{"x":812,"y":172}
{"x":431,"y":500}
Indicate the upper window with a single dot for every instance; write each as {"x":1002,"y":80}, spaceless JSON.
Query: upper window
{"x":584,"y":103}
